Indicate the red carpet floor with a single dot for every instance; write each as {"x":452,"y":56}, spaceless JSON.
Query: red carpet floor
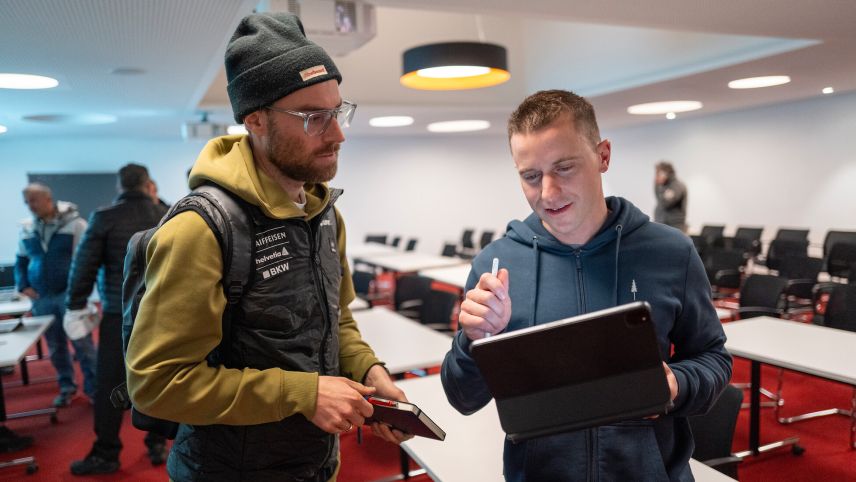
{"x":827,"y":457}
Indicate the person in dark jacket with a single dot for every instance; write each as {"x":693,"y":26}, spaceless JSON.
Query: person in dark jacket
{"x":579,"y":252}
{"x":45,"y":249}
{"x":671,"y":195}
{"x":101,"y":254}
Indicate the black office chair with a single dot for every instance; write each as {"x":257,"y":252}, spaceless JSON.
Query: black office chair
{"x":724,"y":268}
{"x":780,"y":249}
{"x":449,"y":250}
{"x":364,"y":285}
{"x":801,"y":274}
{"x":841,"y":258}
{"x":833,"y":237}
{"x":468,"y":247}
{"x":376,"y":238}
{"x":713,"y":235}
{"x":792,"y":234}
{"x":762,"y":295}
{"x":439,"y":310}
{"x":840,"y":314}
{"x":395,"y":241}
{"x":713,"y":432}
{"x":411,"y":244}
{"x":486,"y":238}
{"x":410,"y":294}
{"x":747,"y":240}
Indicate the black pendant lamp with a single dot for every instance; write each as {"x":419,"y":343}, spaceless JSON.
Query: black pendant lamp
{"x":455,"y":66}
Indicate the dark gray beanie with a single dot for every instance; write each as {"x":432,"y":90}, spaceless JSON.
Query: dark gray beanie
{"x":270,"y":57}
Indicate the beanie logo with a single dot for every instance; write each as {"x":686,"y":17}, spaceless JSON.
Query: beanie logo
{"x":313,"y":72}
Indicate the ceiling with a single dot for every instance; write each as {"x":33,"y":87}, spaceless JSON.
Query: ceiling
{"x":616,"y":52}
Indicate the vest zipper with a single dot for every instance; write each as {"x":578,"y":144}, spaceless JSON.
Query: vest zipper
{"x":319,"y":288}
{"x":581,"y":301}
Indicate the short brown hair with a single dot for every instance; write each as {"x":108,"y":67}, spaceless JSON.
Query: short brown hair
{"x":132,"y":177}
{"x":666,"y":167}
{"x":543,"y":107}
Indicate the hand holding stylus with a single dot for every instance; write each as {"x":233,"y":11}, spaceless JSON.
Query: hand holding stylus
{"x":487,"y":307}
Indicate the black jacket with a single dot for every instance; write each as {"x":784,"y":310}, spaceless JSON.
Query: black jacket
{"x":102,"y":249}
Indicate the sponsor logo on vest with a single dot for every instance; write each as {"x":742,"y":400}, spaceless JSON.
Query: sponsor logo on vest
{"x":276,"y":270}
{"x":313,"y":72}
{"x":272,"y":256}
{"x":270,"y":238}
{"x":326,"y":222}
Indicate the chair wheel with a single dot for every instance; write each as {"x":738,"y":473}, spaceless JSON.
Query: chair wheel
{"x":797,"y":450}
{"x":32,"y":468}
{"x":54,"y":419}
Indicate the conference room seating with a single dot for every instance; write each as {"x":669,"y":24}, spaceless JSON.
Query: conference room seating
{"x":376,"y":238}
{"x":410,"y":294}
{"x":364,"y":285}
{"x":780,"y":249}
{"x":833,"y":237}
{"x":762,"y":295}
{"x":713,"y":234}
{"x":792,"y":234}
{"x":724,"y":268}
{"x":841,"y":259}
{"x":468,"y":246}
{"x":395,"y":241}
{"x":439,"y":310}
{"x":713,"y":432}
{"x":801,"y":274}
{"x":746,"y":239}
{"x":411,"y":244}
{"x":840,"y":313}
{"x":485,"y":239}
{"x":449,"y":250}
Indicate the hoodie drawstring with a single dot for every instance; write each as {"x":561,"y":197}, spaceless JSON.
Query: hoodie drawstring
{"x":535,"y":283}
{"x":618,"y":229}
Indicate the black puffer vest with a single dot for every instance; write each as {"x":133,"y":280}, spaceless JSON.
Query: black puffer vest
{"x":288,"y":320}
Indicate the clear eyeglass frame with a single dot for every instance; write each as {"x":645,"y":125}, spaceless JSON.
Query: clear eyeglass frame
{"x":316,"y":122}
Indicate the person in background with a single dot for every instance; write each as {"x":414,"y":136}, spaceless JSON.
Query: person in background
{"x":101,"y":255}
{"x":671,"y":195}
{"x":45,"y":250}
{"x":616,"y":256}
{"x":293,"y":371}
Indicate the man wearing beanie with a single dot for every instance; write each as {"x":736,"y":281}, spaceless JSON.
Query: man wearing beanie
{"x":294,"y":368}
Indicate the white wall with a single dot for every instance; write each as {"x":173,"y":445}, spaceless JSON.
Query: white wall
{"x":785,"y":165}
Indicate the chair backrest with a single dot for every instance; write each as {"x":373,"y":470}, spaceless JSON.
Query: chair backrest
{"x":717,"y":259}
{"x":467,"y":239}
{"x":713,"y":432}
{"x":449,"y":250}
{"x":395,"y":241}
{"x":797,"y":267}
{"x":753,"y":234}
{"x":376,"y":238}
{"x":792,"y":234}
{"x":833,"y":237}
{"x":486,"y":238}
{"x":841,"y":308}
{"x":7,"y":276}
{"x":411,"y":287}
{"x":762,"y":290}
{"x":362,"y":282}
{"x":842,"y":256}
{"x":411,"y":244}
{"x":438,"y":309}
{"x":780,"y":249}
{"x":712,"y":234}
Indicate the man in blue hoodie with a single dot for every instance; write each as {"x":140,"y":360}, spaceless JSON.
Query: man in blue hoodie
{"x":579,"y":252}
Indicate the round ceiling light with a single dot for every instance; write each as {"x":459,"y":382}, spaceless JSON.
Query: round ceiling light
{"x":27,"y":81}
{"x":827,"y":90}
{"x":458,"y":126}
{"x":758,"y":82}
{"x":78,"y":119}
{"x":3,"y":129}
{"x":659,"y":108}
{"x":455,"y":66}
{"x":391,"y":121}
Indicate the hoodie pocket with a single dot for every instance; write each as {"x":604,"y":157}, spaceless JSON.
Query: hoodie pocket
{"x":629,"y":451}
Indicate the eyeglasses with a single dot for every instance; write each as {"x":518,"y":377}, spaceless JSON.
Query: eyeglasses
{"x":316,"y":122}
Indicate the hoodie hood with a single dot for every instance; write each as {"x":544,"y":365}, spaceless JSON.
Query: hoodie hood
{"x":66,"y":211}
{"x":228,"y":162}
{"x":623,"y":217}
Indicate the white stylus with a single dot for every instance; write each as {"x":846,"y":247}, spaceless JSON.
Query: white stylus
{"x":494,"y":269}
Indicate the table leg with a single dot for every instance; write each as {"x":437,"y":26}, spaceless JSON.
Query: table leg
{"x":755,"y":408}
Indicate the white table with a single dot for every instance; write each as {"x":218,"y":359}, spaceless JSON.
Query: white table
{"x":357,"y":250}
{"x":359,"y":304}
{"x":451,"y":275}
{"x":723,"y":314}
{"x":477,"y":437}
{"x":409,"y":262}
{"x":811,"y":349}
{"x":16,"y":307}
{"x":403,"y":344}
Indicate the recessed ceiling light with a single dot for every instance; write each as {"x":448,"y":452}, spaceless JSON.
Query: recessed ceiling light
{"x":660,"y":108}
{"x":670,"y":115}
{"x":127,"y":71}
{"x":3,"y":129}
{"x":391,"y":121}
{"x":758,"y":82}
{"x":828,"y":90}
{"x":236,"y":129}
{"x":26,"y":81}
{"x":79,"y":119}
{"x":459,"y":126}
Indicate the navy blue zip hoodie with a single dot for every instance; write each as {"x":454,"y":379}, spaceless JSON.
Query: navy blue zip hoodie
{"x":630,"y":258}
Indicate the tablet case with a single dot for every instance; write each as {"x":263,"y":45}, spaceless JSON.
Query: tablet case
{"x":576,"y":373}
{"x":405,"y":417}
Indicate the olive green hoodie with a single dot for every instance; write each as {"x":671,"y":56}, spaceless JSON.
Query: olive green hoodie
{"x":179,"y":320}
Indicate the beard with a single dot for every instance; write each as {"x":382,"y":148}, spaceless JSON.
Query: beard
{"x":290,"y":156}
